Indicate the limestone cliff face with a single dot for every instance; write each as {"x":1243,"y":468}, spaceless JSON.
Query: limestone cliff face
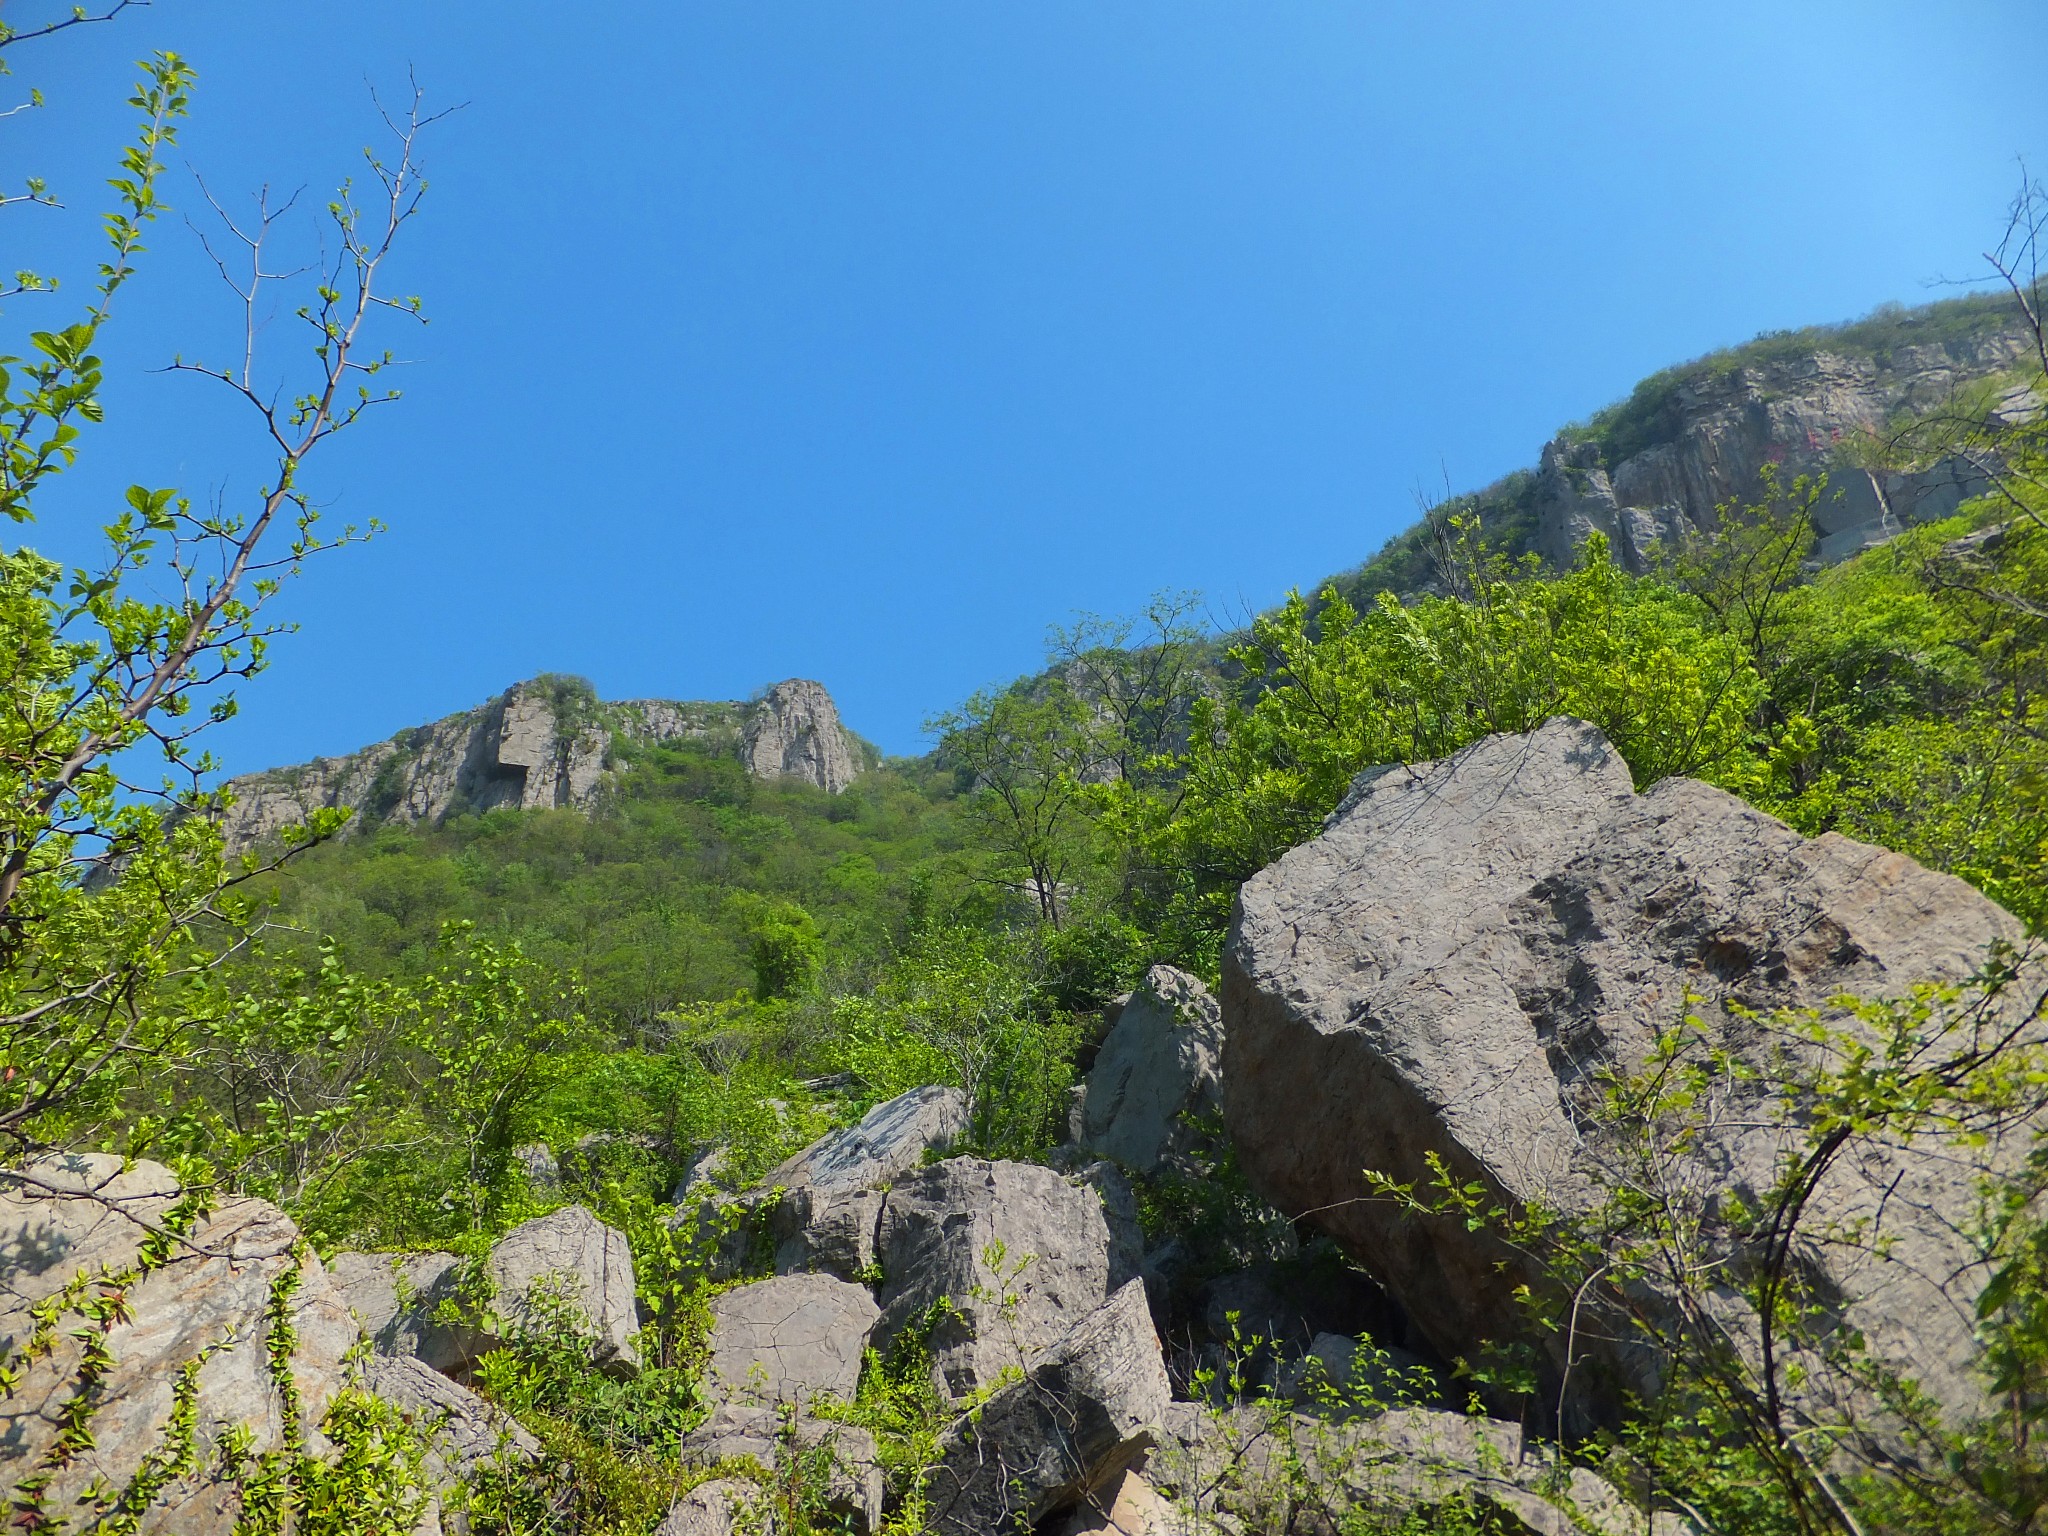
{"x":1721,"y":428}
{"x":544,"y":744}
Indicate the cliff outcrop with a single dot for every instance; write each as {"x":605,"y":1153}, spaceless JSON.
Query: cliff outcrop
{"x":548,"y":743}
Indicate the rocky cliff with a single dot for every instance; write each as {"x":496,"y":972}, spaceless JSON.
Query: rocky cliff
{"x":549,"y":743}
{"x":1654,"y":467}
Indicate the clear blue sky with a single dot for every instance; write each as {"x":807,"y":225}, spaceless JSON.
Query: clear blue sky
{"x":862,"y":341}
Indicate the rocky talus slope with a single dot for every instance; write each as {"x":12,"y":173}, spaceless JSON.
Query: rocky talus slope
{"x":544,"y":744}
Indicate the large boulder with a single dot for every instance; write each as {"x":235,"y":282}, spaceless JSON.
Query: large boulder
{"x":843,"y":1456}
{"x":463,"y":1433}
{"x":831,"y":1196}
{"x":1258,"y":1467}
{"x":1000,"y":1259}
{"x":790,"y":1339}
{"x":1086,"y":1408}
{"x":172,"y":1294}
{"x":565,"y":1264}
{"x":1451,"y":967}
{"x":1159,"y":1064}
{"x":406,"y":1304}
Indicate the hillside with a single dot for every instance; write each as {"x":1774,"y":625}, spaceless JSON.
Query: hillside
{"x":1656,"y":466}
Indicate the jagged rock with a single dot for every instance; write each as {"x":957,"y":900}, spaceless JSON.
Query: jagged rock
{"x":760,"y":1433}
{"x":572,"y":1256}
{"x":794,"y":732}
{"x":703,"y":1175}
{"x":1159,"y":1060}
{"x":544,"y":744}
{"x":81,"y":1214}
{"x":790,"y":1339}
{"x":1020,"y":1252}
{"x":396,"y":1296}
{"x":1718,"y":429}
{"x":1087,"y":1406}
{"x":832,"y":1199}
{"x":537,"y":1162}
{"x":709,"y":1509}
{"x":1126,"y":1505}
{"x":1470,"y":943}
{"x":464,"y":1433}
{"x":1259,"y":1467}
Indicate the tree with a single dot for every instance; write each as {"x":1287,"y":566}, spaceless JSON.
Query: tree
{"x":107,"y":879}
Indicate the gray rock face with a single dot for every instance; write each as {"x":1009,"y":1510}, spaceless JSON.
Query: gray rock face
{"x":395,"y":1297}
{"x":757,"y":1432}
{"x":1021,"y":1253}
{"x":1449,"y":965}
{"x":709,"y":1509}
{"x":74,"y":1215}
{"x":544,"y":744}
{"x":1161,"y":1058}
{"x":790,"y":1339}
{"x":464,"y":1433}
{"x":1258,"y":1467}
{"x":832,"y":1203}
{"x":1722,"y":429}
{"x":794,"y":732}
{"x":1088,"y":1406}
{"x":568,"y":1254}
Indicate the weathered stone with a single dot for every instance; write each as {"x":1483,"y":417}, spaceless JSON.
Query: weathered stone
{"x":1470,"y":944}
{"x":571,"y":1257}
{"x":396,"y":1296}
{"x":758,"y":1432}
{"x":790,"y":1339}
{"x":835,"y":1234}
{"x":794,"y":732}
{"x":1126,"y":1505}
{"x":1259,"y":1467}
{"x":537,"y":1161}
{"x":544,"y":744}
{"x":1021,"y":1253}
{"x":208,"y":1301}
{"x":1159,"y":1062}
{"x":1086,"y":1407}
{"x":464,"y":1433}
{"x":709,"y":1509}
{"x":889,"y":1141}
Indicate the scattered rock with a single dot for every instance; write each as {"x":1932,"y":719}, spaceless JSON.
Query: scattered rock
{"x":84,"y":1214}
{"x":464,"y":1433}
{"x":570,"y":1256}
{"x":1160,"y":1061}
{"x":396,"y":1296}
{"x":1086,"y":1408}
{"x":709,"y":1509}
{"x":757,"y":1432}
{"x":1019,"y":1252}
{"x":790,"y":1339}
{"x":1126,"y":1505}
{"x":1450,"y":967}
{"x":1260,"y":1467}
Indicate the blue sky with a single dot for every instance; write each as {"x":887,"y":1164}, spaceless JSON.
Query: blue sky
{"x":862,"y":341}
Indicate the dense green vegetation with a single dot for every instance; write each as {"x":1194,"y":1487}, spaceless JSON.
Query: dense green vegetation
{"x":379,"y":1032}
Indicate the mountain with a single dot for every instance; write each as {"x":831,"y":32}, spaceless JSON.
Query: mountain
{"x":1654,"y":467}
{"x":548,"y":743}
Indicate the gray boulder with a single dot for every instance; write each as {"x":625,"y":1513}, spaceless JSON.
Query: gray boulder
{"x":1125,"y":1505}
{"x":1019,"y":1253}
{"x":1086,"y":1408}
{"x":790,"y":1339}
{"x":1258,"y":1467}
{"x":1160,"y":1061}
{"x":567,"y":1259}
{"x":709,"y":1509}
{"x":400,"y":1298}
{"x":464,"y":1434}
{"x":207,"y":1300}
{"x":853,"y":1479}
{"x":1470,"y":944}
